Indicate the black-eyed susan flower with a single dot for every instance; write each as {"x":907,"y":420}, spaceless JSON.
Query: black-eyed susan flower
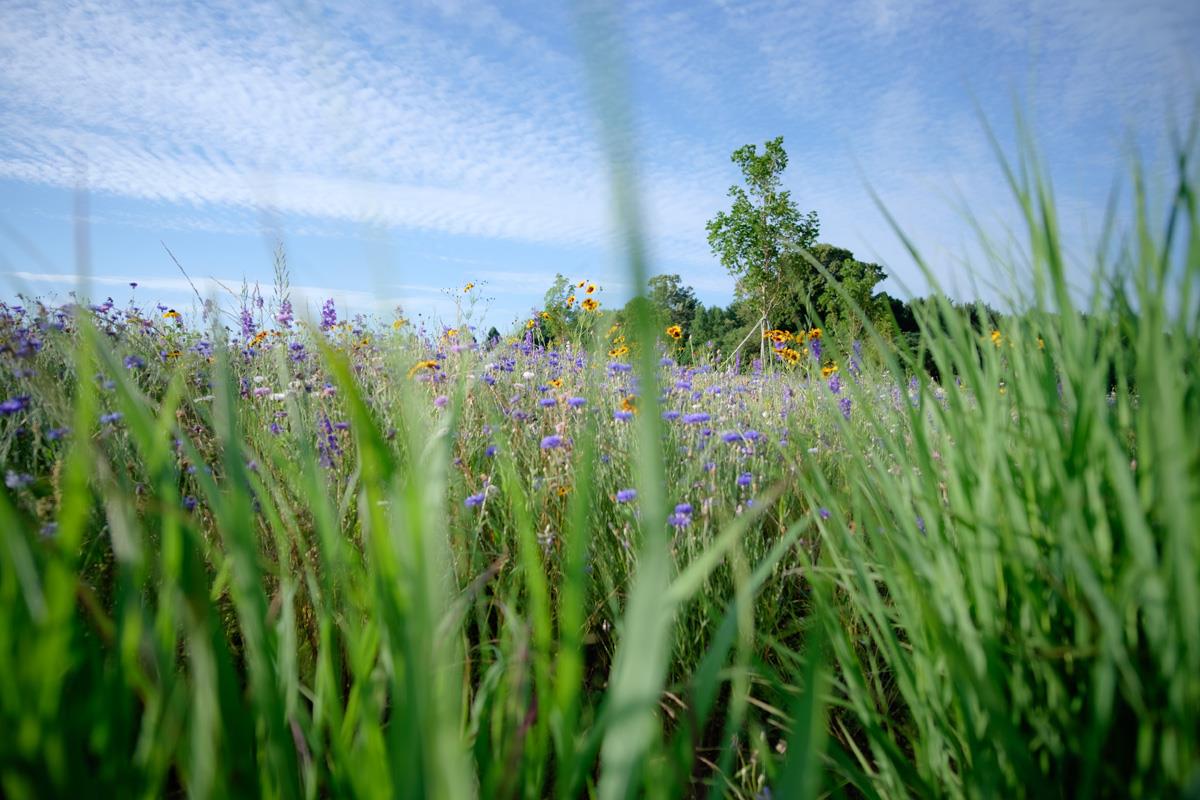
{"x":675,"y":332}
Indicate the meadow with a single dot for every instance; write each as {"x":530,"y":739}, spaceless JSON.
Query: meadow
{"x":263,"y":555}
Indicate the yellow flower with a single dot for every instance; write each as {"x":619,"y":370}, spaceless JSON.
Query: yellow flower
{"x":619,"y":340}
{"x":174,"y":354}
{"x":580,"y":284}
{"x":556,"y":383}
{"x":629,"y":403}
{"x":590,"y":289}
{"x":617,"y":352}
{"x":589,"y":304}
{"x":789,"y":355}
{"x":815,"y":333}
{"x":400,"y":323}
{"x":172,"y":314}
{"x":529,"y":325}
{"x":997,"y":338}
{"x":545,"y":315}
{"x":571,"y":300}
{"x":563,"y":491}
{"x":829,"y":369}
{"x":675,"y":332}
{"x":1041,"y":343}
{"x":429,"y":364}
{"x":468,"y":287}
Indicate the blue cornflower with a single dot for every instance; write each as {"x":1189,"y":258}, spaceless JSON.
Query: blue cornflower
{"x":110,"y":419}
{"x":731,"y":437}
{"x":552,"y":441}
{"x":626,"y":495}
{"x":744,"y":479}
{"x":696,"y":418}
{"x":683,"y":508}
{"x":134,"y":362}
{"x":14,"y":404}
{"x":490,"y":451}
{"x":679,"y":520}
{"x":844,"y":404}
{"x":54,"y":434}
{"x":622,"y":415}
{"x":823,"y":512}
{"x":475,"y":500}
{"x":548,"y":402}
{"x":189,"y":503}
{"x":670,"y":415}
{"x":576,"y":402}
{"x":17,"y":480}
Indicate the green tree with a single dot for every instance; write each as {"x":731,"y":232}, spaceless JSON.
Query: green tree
{"x":673,"y":302}
{"x":760,"y":238}
{"x":853,"y":284}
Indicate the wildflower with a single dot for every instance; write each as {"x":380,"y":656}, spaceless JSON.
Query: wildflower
{"x":475,"y":500}
{"x":629,"y":404}
{"x":552,"y":441}
{"x":997,"y":338}
{"x":617,"y":352}
{"x":17,"y":480}
{"x":529,"y":324}
{"x":490,"y":451}
{"x":788,"y":354}
{"x":744,"y":479}
{"x":556,"y":383}
{"x":54,"y":434}
{"x":134,"y":362}
{"x":695,"y":419}
{"x":670,"y":416}
{"x":814,"y":348}
{"x":626,"y":495}
{"x":675,"y":332}
{"x":570,"y":300}
{"x":589,"y":304}
{"x":329,"y":318}
{"x":683,"y":508}
{"x":110,"y":419}
{"x":731,"y":437}
{"x":580,"y":284}
{"x":829,"y":369}
{"x":284,"y":316}
{"x":576,"y":402}
{"x":189,"y":503}
{"x":590,"y":289}
{"x":1041,"y":343}
{"x":823,"y":512}
{"x":441,"y":400}
{"x":427,"y":364}
{"x":14,"y":404}
{"x":814,"y":333}
{"x":170,"y":314}
{"x":844,"y":404}
{"x":548,"y":402}
{"x":622,"y":416}
{"x":468,"y":287}
{"x":544,"y":315}
{"x":275,"y":429}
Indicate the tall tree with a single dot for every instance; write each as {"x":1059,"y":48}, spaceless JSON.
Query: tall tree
{"x":760,"y":238}
{"x":674,"y":302}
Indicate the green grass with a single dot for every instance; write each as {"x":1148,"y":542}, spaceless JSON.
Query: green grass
{"x":987,"y":587}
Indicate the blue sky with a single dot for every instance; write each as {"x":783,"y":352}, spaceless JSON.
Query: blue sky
{"x":400,"y":151}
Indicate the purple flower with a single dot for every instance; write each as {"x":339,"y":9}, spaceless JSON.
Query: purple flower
{"x":679,"y":520}
{"x":17,"y":480}
{"x":474,"y":500}
{"x":844,"y":404}
{"x":835,"y":384}
{"x":441,"y":400}
{"x":670,"y":415}
{"x":823,"y":512}
{"x":54,"y":434}
{"x":744,"y":479}
{"x":626,"y":495}
{"x":14,"y":404}
{"x":110,"y":419}
{"x":248,"y":326}
{"x":548,"y":402}
{"x":752,"y":435}
{"x":189,"y":503}
{"x":696,"y":418}
{"x":814,"y":347}
{"x":329,"y":317}
{"x":275,"y":429}
{"x":576,"y":402}
{"x":552,"y":441}
{"x":134,"y":362}
{"x":683,"y":508}
{"x":920,"y":523}
{"x":731,"y":437}
{"x":490,"y":452}
{"x":284,"y":316}
{"x":622,"y":416}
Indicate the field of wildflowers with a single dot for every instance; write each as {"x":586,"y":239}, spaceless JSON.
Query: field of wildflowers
{"x":300,"y":558}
